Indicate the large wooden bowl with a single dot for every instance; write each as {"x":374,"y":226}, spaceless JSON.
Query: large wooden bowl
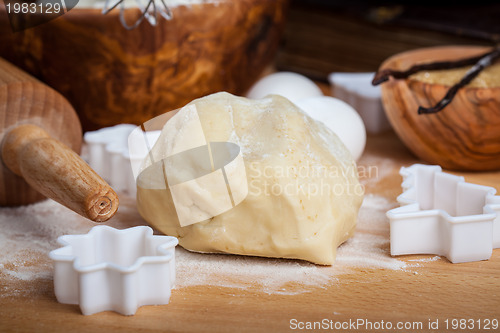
{"x":463,"y":136}
{"x":111,"y":75}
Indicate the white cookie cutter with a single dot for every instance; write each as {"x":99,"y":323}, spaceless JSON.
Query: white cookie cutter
{"x":356,"y":89}
{"x":116,"y":154}
{"x":111,"y":269}
{"x":442,"y":214}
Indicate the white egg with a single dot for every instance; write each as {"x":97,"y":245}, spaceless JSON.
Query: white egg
{"x":290,"y":85}
{"x":341,"y":118}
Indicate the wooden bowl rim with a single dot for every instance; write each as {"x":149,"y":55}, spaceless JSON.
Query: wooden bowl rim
{"x":425,"y":50}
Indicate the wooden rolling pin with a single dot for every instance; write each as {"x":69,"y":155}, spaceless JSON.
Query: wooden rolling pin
{"x":40,"y":134}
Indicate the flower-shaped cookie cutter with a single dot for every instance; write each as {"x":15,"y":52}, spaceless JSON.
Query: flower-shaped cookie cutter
{"x":111,"y":269}
{"x":441,"y":214}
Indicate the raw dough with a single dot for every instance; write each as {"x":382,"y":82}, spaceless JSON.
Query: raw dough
{"x":303,"y":190}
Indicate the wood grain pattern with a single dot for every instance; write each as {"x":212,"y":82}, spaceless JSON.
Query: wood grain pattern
{"x":39,"y":134}
{"x":463,"y":136}
{"x":111,"y":75}
{"x":319,"y":40}
{"x":436,"y":290}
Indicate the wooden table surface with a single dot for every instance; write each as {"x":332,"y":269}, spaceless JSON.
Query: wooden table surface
{"x":433,"y":292}
{"x":436,"y":290}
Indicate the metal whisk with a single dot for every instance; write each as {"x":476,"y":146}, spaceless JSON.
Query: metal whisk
{"x":150,"y":11}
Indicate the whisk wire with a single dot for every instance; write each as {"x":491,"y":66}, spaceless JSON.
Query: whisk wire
{"x":150,"y":12}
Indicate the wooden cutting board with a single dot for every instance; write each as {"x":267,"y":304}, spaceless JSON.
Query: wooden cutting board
{"x":434,"y":291}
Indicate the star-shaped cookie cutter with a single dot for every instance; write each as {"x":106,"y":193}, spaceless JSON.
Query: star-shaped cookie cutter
{"x":111,"y":269}
{"x":442,"y":214}
{"x":116,"y":154}
{"x":356,"y":89}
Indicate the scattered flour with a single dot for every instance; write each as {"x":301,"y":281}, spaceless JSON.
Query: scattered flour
{"x":425,"y":259}
{"x":435,"y":258}
{"x":373,"y":168}
{"x":28,"y":233}
{"x":369,"y":248}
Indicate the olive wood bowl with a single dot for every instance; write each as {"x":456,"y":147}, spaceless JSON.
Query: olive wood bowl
{"x":111,"y":75}
{"x":465,"y":135}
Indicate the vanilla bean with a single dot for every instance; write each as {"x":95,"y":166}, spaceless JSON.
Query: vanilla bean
{"x":384,"y":75}
{"x":481,"y":64}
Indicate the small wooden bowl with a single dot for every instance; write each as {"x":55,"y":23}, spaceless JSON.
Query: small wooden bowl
{"x":111,"y":75}
{"x":463,"y":136}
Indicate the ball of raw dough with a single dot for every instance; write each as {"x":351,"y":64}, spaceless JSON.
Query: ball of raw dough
{"x":303,"y":192}
{"x":341,"y":118}
{"x":290,"y":85}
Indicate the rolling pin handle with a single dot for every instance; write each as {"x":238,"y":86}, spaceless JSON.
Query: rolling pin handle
{"x":58,"y":172}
